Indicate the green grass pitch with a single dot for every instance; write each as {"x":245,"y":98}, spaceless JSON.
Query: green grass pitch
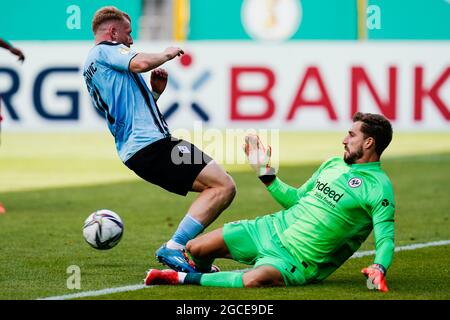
{"x":49,"y":183}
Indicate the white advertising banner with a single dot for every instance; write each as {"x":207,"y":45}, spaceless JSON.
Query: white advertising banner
{"x":291,"y":86}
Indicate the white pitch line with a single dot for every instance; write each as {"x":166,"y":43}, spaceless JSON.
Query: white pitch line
{"x":404,"y":248}
{"x":98,"y":292}
{"x":135,"y":287}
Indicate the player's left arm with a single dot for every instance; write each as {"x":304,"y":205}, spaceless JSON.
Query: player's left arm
{"x":13,"y":50}
{"x":383,"y":229}
{"x":158,"y":82}
{"x":5,"y":45}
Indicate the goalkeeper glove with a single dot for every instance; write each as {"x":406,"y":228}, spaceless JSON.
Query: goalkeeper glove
{"x":375,"y":277}
{"x":258,"y":156}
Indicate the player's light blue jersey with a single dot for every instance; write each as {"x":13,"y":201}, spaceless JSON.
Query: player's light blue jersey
{"x":123,"y":96}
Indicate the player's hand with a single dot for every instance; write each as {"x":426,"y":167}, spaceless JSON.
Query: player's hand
{"x":158,"y":80}
{"x":375,"y":277}
{"x":258,"y":156}
{"x":18,"y":53}
{"x":173,"y":52}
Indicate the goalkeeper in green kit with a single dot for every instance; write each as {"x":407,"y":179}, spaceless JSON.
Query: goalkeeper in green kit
{"x":323,"y":222}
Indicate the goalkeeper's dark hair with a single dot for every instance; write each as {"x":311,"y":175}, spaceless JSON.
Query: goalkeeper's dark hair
{"x":377,"y":127}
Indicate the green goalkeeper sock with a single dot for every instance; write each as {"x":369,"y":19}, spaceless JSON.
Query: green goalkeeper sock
{"x":219,"y":279}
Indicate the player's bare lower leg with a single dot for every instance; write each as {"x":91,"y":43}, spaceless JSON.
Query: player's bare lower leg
{"x":217,"y":189}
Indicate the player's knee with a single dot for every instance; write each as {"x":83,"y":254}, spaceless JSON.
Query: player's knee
{"x":262,"y":278}
{"x":251,"y":283}
{"x":229,"y":188}
{"x":256,"y":281}
{"x":224,"y":193}
{"x":194,"y":248}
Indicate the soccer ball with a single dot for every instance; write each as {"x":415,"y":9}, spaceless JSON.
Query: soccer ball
{"x":103,"y":229}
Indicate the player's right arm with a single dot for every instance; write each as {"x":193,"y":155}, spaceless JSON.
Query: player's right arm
{"x":143,"y":62}
{"x":383,"y":230}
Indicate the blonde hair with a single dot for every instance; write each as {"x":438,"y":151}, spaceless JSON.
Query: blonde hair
{"x":106,"y":14}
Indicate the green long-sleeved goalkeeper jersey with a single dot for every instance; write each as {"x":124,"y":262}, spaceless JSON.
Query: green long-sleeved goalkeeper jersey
{"x":332,"y":214}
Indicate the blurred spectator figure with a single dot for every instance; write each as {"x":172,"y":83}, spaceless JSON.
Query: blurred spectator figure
{"x":14,"y":51}
{"x":18,"y":53}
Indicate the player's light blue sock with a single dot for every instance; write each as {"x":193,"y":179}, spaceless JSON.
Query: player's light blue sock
{"x":188,"y":229}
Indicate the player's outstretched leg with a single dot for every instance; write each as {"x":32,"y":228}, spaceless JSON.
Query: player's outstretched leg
{"x":216,"y":191}
{"x":172,"y":277}
{"x":263,"y":276}
{"x":204,"y":249}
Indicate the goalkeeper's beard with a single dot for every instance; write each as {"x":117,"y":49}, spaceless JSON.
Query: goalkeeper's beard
{"x":351,"y":157}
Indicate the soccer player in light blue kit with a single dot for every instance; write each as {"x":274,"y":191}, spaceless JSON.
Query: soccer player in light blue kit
{"x":142,"y":136}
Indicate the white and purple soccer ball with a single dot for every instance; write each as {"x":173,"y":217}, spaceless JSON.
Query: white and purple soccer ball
{"x":103,"y":229}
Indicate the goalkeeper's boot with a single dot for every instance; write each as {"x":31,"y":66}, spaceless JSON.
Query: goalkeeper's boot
{"x":155,"y":276}
{"x":175,"y":259}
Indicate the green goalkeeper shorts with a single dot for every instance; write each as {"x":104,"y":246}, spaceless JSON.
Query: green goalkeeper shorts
{"x":255,"y":242}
